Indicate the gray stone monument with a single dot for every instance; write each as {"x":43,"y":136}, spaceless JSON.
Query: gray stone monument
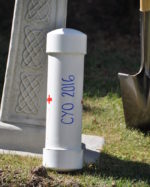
{"x":23,"y":106}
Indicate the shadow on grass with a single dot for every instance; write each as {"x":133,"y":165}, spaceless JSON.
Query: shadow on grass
{"x":145,"y":131}
{"x":110,"y":166}
{"x":102,"y":68}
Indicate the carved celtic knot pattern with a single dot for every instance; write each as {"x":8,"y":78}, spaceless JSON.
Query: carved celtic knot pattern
{"x":28,"y":101}
{"x":38,"y":10}
{"x":34,"y":51}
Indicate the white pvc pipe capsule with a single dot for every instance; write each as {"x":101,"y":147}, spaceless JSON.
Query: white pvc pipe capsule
{"x":66,"y":49}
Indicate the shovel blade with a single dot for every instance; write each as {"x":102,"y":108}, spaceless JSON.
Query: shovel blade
{"x":135,"y":103}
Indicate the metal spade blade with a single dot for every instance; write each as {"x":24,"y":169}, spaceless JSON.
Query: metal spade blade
{"x":135,"y":89}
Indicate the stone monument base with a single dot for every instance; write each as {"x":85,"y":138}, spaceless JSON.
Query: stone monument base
{"x":29,"y":141}
{"x":28,"y":138}
{"x":91,"y":145}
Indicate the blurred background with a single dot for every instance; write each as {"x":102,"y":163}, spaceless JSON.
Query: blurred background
{"x":113,"y":29}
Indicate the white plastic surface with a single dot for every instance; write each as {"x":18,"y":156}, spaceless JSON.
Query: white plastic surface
{"x":66,"y":41}
{"x":64,"y":107}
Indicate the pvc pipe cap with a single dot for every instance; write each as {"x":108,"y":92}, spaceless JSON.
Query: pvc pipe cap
{"x":66,"y":40}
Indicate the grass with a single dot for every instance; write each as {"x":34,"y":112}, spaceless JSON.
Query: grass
{"x":125,"y":159}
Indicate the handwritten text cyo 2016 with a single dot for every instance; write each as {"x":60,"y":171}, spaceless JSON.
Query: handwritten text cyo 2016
{"x":68,"y":90}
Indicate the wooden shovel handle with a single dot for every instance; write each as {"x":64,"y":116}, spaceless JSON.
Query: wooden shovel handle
{"x":144,"y":5}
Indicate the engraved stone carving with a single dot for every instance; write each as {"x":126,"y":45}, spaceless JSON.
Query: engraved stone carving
{"x":23,"y":104}
{"x":34,"y":48}
{"x":28,"y":99}
{"x":38,"y":10}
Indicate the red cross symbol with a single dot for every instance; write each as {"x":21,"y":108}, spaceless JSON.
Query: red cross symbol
{"x":49,"y":99}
